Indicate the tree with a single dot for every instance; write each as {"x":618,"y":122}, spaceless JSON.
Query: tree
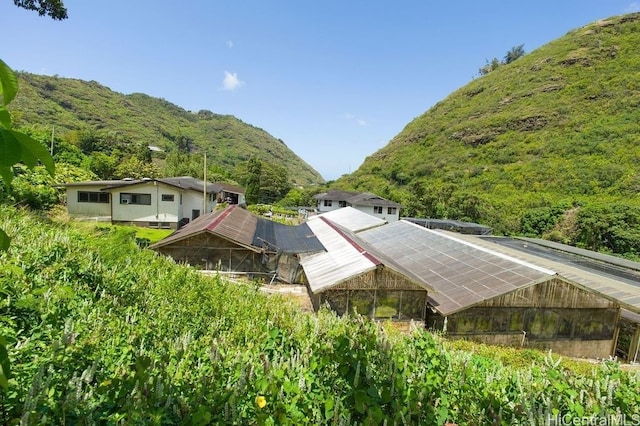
{"x":52,"y":8}
{"x":15,"y":147}
{"x":514,"y":53}
{"x":252,"y":182}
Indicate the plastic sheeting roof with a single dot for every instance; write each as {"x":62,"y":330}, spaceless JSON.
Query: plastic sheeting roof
{"x":351,"y":219}
{"x":462,"y":274}
{"x":615,"y":278}
{"x":344,"y":258}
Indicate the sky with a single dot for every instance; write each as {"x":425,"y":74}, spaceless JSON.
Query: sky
{"x":335,"y":80}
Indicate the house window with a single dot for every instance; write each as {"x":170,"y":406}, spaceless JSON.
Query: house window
{"x":93,"y":197}
{"x":377,"y":209}
{"x":195,"y":213}
{"x":327,"y":203}
{"x":131,"y":198}
{"x":391,"y":210}
{"x":342,"y":203}
{"x":167,"y":197}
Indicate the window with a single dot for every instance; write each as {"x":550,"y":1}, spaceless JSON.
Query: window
{"x":327,"y":203}
{"x":391,"y":210}
{"x":93,"y":197}
{"x":342,"y":203}
{"x":130,"y":198}
{"x":167,"y":197}
{"x":195,"y":213}
{"x":377,"y":209}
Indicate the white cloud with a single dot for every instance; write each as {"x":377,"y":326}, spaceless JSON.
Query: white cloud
{"x":633,"y":7}
{"x":231,"y":81}
{"x":359,"y":121}
{"x":229,"y":44}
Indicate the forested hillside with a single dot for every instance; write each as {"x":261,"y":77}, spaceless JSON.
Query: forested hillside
{"x":545,"y":145}
{"x":96,"y":119}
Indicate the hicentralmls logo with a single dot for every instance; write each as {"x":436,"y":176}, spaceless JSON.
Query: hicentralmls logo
{"x":618,"y":420}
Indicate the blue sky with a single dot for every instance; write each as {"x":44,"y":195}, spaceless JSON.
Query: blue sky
{"x":336,"y":80}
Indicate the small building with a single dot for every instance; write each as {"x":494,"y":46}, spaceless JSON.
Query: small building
{"x":349,"y":278}
{"x":364,"y":201}
{"x":485,"y":295}
{"x":236,"y":241}
{"x":159,"y":203}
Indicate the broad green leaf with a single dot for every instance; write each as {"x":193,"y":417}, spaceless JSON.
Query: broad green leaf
{"x":5,"y":117}
{"x":8,"y":83}
{"x":5,"y":372}
{"x":6,"y":173}
{"x":10,"y":148}
{"x":4,"y":240}
{"x":32,"y":149}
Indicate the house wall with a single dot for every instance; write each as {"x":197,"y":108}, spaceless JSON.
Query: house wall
{"x":157,"y":212}
{"x":551,"y":315}
{"x":384,"y":215}
{"x":192,"y":200}
{"x":76,"y":208}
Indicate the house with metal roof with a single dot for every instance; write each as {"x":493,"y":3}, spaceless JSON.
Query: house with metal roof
{"x":162,"y":203}
{"x":235,"y":240}
{"x":492,"y":296}
{"x":367,"y":202}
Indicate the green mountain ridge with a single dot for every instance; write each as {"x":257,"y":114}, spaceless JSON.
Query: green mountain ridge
{"x":557,"y":127}
{"x":76,"y":105}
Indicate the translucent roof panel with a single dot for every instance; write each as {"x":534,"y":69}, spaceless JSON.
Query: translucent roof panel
{"x":351,"y":219}
{"x":343,"y":259}
{"x":462,"y":274}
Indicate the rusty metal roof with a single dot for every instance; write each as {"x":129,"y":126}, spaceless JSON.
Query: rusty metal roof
{"x":246,"y":229}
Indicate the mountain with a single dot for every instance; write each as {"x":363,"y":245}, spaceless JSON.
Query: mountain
{"x":557,"y":128}
{"x":71,"y":104}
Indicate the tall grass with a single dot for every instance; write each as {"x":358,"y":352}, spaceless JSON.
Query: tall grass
{"x":101,"y":331}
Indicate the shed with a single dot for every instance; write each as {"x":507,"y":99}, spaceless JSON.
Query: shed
{"x":235,"y":240}
{"x":489,"y":296}
{"x":349,"y":278}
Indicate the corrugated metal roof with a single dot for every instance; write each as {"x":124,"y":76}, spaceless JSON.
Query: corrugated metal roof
{"x":244,"y":228}
{"x":351,"y":219}
{"x":344,"y":258}
{"x":462,"y":274}
{"x":589,"y":269}
{"x":232,"y":223}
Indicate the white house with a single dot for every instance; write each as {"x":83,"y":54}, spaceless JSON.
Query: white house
{"x":363,"y":201}
{"x":163,"y":203}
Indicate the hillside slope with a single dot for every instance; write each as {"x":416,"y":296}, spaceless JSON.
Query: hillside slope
{"x":72,"y":104}
{"x":558,"y":126}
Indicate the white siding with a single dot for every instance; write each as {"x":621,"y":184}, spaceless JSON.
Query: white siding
{"x":89,"y":209}
{"x":157,"y":211}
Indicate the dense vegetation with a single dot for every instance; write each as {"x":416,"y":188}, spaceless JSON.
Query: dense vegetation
{"x":111,"y":128}
{"x":101,"y":331}
{"x":543,"y":145}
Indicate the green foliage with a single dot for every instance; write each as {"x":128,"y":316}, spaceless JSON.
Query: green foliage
{"x":264,"y":183}
{"x":53,"y":8}
{"x":557,"y":127}
{"x":100,"y":331}
{"x":96,"y":119}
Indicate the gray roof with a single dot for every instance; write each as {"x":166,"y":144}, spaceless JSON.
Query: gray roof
{"x":612,"y":277}
{"x":462,"y":274}
{"x":181,"y":182}
{"x":357,"y":198}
